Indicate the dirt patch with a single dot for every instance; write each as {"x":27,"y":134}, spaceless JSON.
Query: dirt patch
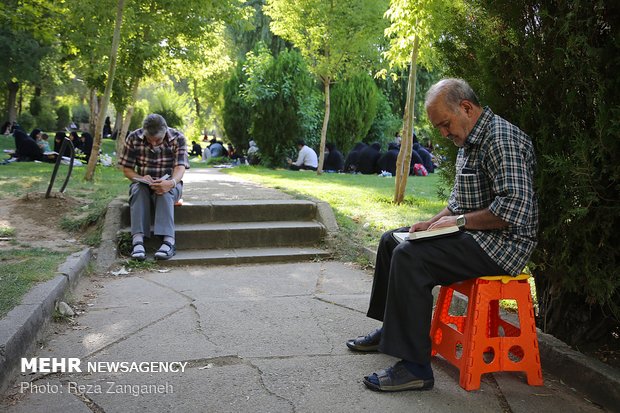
{"x":36,"y":221}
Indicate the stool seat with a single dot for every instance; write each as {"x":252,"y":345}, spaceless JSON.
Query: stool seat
{"x":481,"y":341}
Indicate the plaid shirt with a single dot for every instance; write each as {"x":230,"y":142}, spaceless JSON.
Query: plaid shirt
{"x":156,"y":162}
{"x":495,"y":170}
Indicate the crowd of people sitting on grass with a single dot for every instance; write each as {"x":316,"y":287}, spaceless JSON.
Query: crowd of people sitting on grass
{"x":36,"y":146}
{"x":368,"y":159}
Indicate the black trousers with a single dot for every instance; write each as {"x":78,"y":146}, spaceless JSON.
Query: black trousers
{"x":405,"y":275}
{"x":297,"y":168}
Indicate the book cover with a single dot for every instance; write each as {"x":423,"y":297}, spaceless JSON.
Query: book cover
{"x":412,"y":236}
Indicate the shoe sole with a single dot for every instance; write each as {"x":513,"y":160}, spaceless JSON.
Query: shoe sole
{"x":412,"y":385}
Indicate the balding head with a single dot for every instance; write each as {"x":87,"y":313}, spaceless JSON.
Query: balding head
{"x":452,"y":92}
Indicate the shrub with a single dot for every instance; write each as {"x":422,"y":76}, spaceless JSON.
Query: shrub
{"x":63,"y":114}
{"x":236,"y":112}
{"x":26,"y":120}
{"x":279,"y":92}
{"x":354,"y":103}
{"x":551,"y":68}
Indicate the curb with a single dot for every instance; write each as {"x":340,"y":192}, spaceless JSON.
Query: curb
{"x":598,"y":381}
{"x":106,"y":253}
{"x":22,"y":326}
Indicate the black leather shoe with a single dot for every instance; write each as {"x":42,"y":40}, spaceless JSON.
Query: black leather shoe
{"x":367,"y":343}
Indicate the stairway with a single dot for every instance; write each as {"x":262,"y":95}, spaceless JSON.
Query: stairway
{"x":240,"y":232}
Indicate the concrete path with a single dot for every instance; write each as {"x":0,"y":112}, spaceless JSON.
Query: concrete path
{"x":256,"y":338}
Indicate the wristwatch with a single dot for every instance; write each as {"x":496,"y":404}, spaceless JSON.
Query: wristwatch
{"x":461,"y":221}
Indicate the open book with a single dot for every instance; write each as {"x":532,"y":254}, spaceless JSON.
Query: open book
{"x":147,"y":182}
{"x":412,"y":236}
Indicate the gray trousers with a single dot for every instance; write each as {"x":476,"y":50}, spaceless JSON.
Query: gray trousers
{"x":405,"y":275}
{"x":142,"y":200}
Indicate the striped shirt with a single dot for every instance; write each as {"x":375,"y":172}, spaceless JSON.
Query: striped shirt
{"x":145,"y":159}
{"x":495,"y":170}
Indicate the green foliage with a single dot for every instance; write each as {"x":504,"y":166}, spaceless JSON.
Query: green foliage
{"x":551,"y":67}
{"x":171,"y":105}
{"x":236,"y":112}
{"x":36,"y":106}
{"x":63,"y":114}
{"x":80,"y":114}
{"x":137,"y":117}
{"x":26,"y":120}
{"x":278,"y":91}
{"x":354,"y":103}
{"x":385,"y":124}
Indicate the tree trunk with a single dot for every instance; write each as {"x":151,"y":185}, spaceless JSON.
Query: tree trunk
{"x":92,"y":163}
{"x":403,"y":161}
{"x":94,"y":109}
{"x":13,"y":87}
{"x":319,"y":170}
{"x":124,"y":123}
{"x":196,"y":100}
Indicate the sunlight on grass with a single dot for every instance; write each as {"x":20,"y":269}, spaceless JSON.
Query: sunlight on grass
{"x":362,"y":203}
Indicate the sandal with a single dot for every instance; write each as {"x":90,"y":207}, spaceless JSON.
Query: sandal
{"x":398,"y":378}
{"x":138,"y":255}
{"x":367,"y":343}
{"x":166,"y":255}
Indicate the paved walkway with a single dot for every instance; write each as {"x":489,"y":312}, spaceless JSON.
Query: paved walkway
{"x":259,"y":338}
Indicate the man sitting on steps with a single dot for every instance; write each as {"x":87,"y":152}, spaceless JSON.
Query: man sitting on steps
{"x":154,"y":159}
{"x":494,"y":205}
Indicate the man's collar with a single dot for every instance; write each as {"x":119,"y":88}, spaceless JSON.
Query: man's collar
{"x":476,"y":134}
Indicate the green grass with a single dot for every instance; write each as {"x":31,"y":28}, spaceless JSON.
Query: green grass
{"x":362,"y":203}
{"x":21,"y":269}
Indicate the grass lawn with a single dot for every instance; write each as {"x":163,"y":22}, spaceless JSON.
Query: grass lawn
{"x":362,"y":203}
{"x":21,"y":265}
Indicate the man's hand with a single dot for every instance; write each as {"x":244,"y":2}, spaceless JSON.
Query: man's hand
{"x":420,"y":226}
{"x":447,"y":221}
{"x":161,"y":187}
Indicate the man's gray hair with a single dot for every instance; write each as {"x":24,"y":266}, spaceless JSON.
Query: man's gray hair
{"x":453,"y":91}
{"x":155,"y":125}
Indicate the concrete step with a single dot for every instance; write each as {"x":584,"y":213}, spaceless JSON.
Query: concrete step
{"x":239,"y":211}
{"x":221,"y":235}
{"x":244,"y":256}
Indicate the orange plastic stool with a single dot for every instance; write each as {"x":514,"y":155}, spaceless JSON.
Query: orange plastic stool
{"x":481,"y":341}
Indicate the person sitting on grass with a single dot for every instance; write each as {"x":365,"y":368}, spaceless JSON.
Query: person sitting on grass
{"x":334,"y":161}
{"x":26,"y":148}
{"x":306,"y":159}
{"x":150,"y":153}
{"x":196,"y":149}
{"x":492,"y":202}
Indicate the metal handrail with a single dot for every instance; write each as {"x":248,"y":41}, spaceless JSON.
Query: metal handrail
{"x":65,"y":142}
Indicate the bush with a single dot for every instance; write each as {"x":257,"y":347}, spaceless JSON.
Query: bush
{"x":354,"y":103}
{"x":46,"y":120}
{"x":554,"y":74}
{"x":26,"y":120}
{"x":236,"y":112}
{"x":279,"y":92}
{"x":385,"y":124}
{"x":81,"y":114}
{"x":63,"y":114}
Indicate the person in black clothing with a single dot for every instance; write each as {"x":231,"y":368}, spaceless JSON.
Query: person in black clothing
{"x":58,"y":139}
{"x":26,"y":148}
{"x":352,"y":160}
{"x":427,"y":159}
{"x":334,"y":161}
{"x":107,"y":128}
{"x":75,"y":139}
{"x":196,"y":149}
{"x":387,"y":162}
{"x":87,"y":144}
{"x":369,"y":156}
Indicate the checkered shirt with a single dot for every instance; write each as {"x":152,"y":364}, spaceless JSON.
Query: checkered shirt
{"x":495,"y":170}
{"x":156,"y":162}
